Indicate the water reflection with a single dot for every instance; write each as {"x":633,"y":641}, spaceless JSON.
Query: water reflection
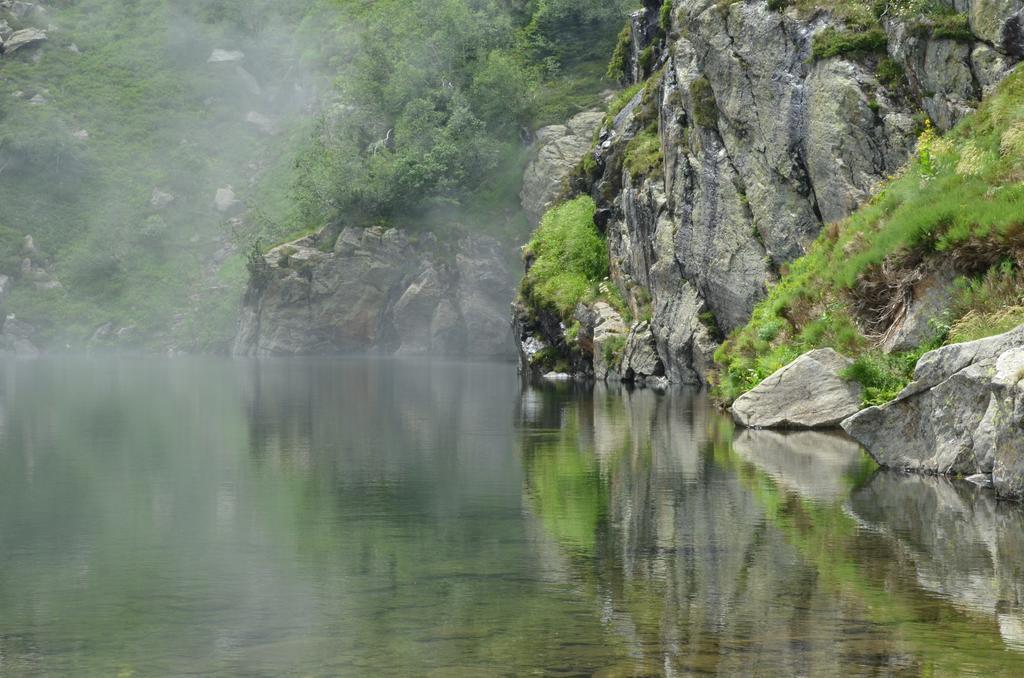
{"x":778,"y":553}
{"x":382,"y":517}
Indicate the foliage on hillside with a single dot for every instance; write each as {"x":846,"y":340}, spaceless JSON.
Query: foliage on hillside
{"x":567,"y":257}
{"x":432,"y":105}
{"x":959,"y":204}
{"x":426,"y":104}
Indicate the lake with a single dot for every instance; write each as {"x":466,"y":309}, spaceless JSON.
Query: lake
{"x":372,"y":517}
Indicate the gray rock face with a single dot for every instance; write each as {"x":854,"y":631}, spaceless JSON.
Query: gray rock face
{"x":931,"y":298}
{"x":380,"y":290}
{"x":807,"y":393}
{"x":16,"y":337}
{"x":963,"y":414}
{"x":761,"y":146}
{"x":559,"y":149}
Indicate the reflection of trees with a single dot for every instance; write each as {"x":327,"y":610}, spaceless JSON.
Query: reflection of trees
{"x":714,"y":558}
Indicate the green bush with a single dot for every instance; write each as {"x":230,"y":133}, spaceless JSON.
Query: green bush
{"x":891,"y":75}
{"x":882,"y":375}
{"x":643,"y":154}
{"x":568,"y":257}
{"x":833,"y":43}
{"x":665,"y":16}
{"x":619,"y":65}
{"x":705,"y":109}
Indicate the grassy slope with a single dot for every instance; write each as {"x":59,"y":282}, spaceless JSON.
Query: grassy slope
{"x":157,"y":115}
{"x":958,"y":203}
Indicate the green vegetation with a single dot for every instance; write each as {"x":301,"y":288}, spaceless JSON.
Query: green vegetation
{"x":883,"y":375}
{"x":619,"y":64}
{"x":891,"y":75}
{"x":613,"y":348}
{"x":421,"y":109}
{"x":665,"y":16}
{"x":705,"y":109}
{"x":948,"y":26}
{"x":960,"y":201}
{"x":832,"y":43}
{"x":568,"y":257}
{"x":643,"y":154}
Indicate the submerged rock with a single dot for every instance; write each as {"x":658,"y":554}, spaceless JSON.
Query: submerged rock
{"x":963,"y":414}
{"x":807,"y":393}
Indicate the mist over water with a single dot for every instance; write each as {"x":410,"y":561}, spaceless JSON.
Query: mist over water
{"x":391,"y":517}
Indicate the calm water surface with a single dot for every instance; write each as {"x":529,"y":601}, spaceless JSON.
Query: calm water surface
{"x":381,"y":517}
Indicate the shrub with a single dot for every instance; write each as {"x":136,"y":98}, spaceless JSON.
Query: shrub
{"x":705,"y":109}
{"x":643,"y":154}
{"x":569,"y":257}
{"x":832,"y":43}
{"x":891,"y":75}
{"x":665,"y":16}
{"x":646,"y":60}
{"x":613,"y":348}
{"x":882,"y":375}
{"x":619,"y":65}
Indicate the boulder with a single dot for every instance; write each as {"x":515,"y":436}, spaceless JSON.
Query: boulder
{"x":962,"y":415}
{"x":608,"y":333}
{"x":382,"y":290}
{"x":560,"y":148}
{"x":225,"y":201}
{"x":807,"y":393}
{"x":931,"y":298}
{"x":16,"y":337}
{"x":27,"y":37}
{"x":160,"y":199}
{"x":640,"y":356}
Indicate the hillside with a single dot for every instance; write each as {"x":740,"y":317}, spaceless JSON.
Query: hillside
{"x":934,"y":257}
{"x":150,"y":149}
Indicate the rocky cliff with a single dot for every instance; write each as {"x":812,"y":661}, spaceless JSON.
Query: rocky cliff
{"x":379,"y":289}
{"x":751,"y":125}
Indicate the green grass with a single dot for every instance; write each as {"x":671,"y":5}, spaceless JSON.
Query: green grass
{"x":643,"y":154}
{"x":568,"y":257}
{"x":833,"y":43}
{"x":665,"y":16}
{"x":705,"y":109}
{"x":619,"y":62}
{"x":959,"y":201}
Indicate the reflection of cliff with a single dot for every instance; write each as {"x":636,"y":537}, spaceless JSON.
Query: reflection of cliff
{"x":709,"y":555}
{"x":965,"y":546}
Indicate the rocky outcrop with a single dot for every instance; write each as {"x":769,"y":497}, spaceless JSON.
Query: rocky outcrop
{"x":807,"y":393}
{"x":16,"y":337}
{"x":26,"y":37}
{"x":962,"y":415}
{"x":558,"y":150}
{"x":761,"y":144}
{"x":379,"y":289}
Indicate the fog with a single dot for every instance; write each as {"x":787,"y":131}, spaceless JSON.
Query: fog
{"x":146,"y":146}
